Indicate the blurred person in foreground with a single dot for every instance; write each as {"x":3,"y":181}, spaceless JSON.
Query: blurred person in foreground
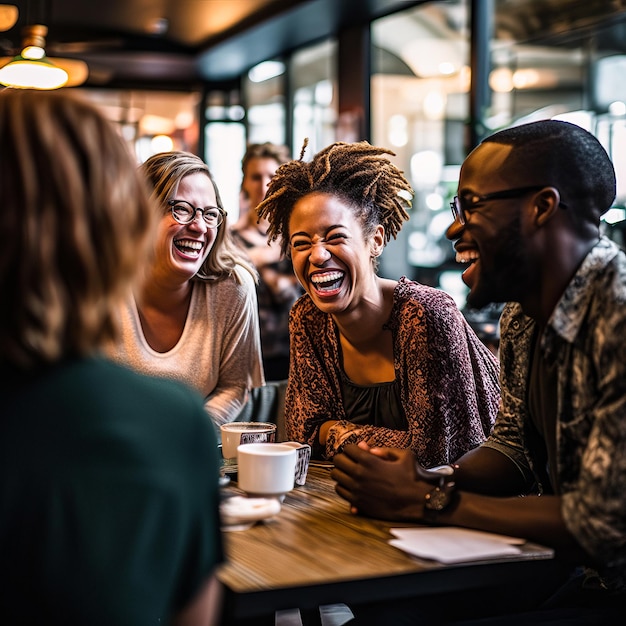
{"x":108,"y":505}
{"x":278,"y":287}
{"x":194,"y":316}
{"x":526,"y":223}
{"x":387,"y":362}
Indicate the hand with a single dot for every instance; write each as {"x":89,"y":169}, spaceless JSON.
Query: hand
{"x":380,"y":482}
{"x":340,"y":432}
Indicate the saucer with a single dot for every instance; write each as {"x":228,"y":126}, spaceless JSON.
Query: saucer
{"x":240,"y":513}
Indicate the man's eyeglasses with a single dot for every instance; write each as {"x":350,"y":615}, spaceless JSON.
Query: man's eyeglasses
{"x":467,"y":201}
{"x":185,"y":213}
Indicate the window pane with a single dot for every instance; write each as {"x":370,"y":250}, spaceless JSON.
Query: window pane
{"x":265,"y":98}
{"x":561,"y":60}
{"x":225,"y":145}
{"x":314,"y":80}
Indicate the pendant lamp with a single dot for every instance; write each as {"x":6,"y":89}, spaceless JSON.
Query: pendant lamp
{"x":31,"y":69}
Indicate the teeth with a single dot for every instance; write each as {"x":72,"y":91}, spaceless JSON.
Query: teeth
{"x":467,"y":257}
{"x":189,"y":243}
{"x":329,"y":277}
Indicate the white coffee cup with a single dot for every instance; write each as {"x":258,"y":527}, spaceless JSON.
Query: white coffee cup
{"x":235,"y":434}
{"x":266,"y":469}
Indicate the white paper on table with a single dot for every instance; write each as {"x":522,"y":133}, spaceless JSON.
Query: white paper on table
{"x":454,"y":545}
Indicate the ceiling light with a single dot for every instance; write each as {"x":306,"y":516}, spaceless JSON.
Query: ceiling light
{"x":266,"y":70}
{"x":8,"y":16}
{"x":31,"y":69}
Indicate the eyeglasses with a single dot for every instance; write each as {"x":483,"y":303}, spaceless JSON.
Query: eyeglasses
{"x":185,"y":213}
{"x":460,"y":205}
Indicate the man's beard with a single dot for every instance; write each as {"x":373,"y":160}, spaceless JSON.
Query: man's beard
{"x":507,"y":273}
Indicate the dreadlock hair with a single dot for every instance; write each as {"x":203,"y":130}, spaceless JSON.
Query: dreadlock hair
{"x":356,"y":172}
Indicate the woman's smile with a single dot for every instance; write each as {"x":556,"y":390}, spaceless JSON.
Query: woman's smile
{"x":190,"y":248}
{"x":327,"y":283}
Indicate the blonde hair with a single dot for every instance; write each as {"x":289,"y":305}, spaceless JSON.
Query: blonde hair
{"x":164,"y":171}
{"x":75,"y":220}
{"x":356,"y":172}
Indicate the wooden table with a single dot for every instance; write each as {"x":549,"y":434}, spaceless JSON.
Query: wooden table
{"x":316,"y":552}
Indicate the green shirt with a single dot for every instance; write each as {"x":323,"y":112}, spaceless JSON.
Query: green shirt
{"x":108,"y":496}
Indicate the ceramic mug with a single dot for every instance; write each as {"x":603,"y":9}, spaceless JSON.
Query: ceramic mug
{"x":303,"y":456}
{"x":266,"y":469}
{"x":235,"y":434}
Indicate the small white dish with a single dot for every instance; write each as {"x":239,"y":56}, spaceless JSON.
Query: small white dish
{"x":240,"y":513}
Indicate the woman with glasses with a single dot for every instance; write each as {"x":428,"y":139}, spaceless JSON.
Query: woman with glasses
{"x":195,"y":316}
{"x":374,"y":360}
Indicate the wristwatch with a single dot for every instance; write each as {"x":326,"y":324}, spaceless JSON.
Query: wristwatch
{"x":442,"y":495}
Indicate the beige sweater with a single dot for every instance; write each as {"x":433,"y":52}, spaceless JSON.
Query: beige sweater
{"x":218,"y":353}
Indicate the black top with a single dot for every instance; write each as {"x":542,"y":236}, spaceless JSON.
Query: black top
{"x":377,"y":405}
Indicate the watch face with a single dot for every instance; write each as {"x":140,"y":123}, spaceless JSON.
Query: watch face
{"x":437,"y":500}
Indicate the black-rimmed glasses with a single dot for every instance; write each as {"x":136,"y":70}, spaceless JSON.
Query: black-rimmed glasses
{"x":184,"y":213}
{"x":467,"y":201}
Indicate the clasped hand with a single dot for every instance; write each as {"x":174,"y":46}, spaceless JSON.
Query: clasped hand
{"x":381,"y":482}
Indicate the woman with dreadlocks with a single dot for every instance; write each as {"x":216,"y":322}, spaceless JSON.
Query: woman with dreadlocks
{"x":385,"y":362}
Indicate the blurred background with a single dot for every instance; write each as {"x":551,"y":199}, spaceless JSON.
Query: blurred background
{"x":426,"y":79}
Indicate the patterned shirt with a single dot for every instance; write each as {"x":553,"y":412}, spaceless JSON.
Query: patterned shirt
{"x":584,"y":338}
{"x":448,"y":379}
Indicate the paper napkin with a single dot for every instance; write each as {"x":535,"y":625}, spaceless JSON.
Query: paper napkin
{"x":454,"y":545}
